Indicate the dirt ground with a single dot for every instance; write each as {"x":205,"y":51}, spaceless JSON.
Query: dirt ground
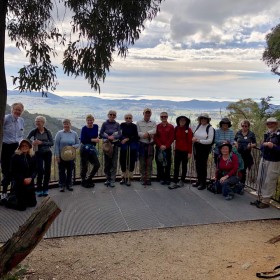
{"x":217,"y":251}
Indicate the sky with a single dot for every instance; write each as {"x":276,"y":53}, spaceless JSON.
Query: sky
{"x":193,"y":49}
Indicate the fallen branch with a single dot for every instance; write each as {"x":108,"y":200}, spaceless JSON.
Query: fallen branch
{"x":274,"y":239}
{"x":28,"y":236}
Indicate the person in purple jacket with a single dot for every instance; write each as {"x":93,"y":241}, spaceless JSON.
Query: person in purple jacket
{"x":110,"y":131}
{"x":88,"y":151}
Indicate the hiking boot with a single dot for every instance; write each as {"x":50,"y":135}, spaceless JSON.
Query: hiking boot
{"x":229,"y":197}
{"x":181,"y":184}
{"x":201,"y":187}
{"x":69,"y":188}
{"x":174,"y":186}
{"x":112,"y":184}
{"x":262,"y":205}
{"x":196,"y":184}
{"x":122,"y":181}
{"x":89,"y":183}
{"x":62,"y":188}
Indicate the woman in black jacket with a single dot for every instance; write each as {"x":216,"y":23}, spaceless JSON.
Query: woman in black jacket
{"x":23,"y":173}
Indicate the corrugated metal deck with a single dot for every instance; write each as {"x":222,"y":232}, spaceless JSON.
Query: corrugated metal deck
{"x":104,"y":210}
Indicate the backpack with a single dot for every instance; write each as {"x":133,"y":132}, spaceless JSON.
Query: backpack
{"x":240,"y":159}
{"x":207,"y":131}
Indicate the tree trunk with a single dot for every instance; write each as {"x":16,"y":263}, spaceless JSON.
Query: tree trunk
{"x":3,"y":82}
{"x":28,"y":236}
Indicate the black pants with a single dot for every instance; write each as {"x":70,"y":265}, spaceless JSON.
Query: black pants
{"x":201,"y":154}
{"x":44,"y":161}
{"x":65,"y":171}
{"x":7,"y":152}
{"x":128,"y":158}
{"x":88,"y":157}
{"x":180,"y":158}
{"x":163,"y":172}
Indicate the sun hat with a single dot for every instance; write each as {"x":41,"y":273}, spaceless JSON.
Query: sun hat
{"x":225,"y":121}
{"x":68,"y":153}
{"x":107,"y":148}
{"x":25,"y":141}
{"x":271,"y":120}
{"x":183,"y":117}
{"x":204,"y":115}
{"x":147,"y":110}
{"x":226,"y":145}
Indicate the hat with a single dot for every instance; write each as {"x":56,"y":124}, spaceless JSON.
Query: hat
{"x":225,"y":121}
{"x":107,"y":148}
{"x":226,"y":144}
{"x":147,"y":110}
{"x":68,"y":153}
{"x":25,"y":141}
{"x":184,"y":117}
{"x":204,"y":115}
{"x":272,"y":120}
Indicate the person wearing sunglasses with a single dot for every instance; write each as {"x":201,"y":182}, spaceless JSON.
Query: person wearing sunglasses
{"x":146,"y":130}
{"x":269,"y":168}
{"x":245,"y":140}
{"x":164,"y":138}
{"x":110,"y":131}
{"x":129,"y":147}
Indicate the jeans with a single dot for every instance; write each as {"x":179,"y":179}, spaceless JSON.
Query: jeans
{"x":44,"y":161}
{"x":110,"y":165}
{"x":146,"y":156}
{"x":227,"y":185}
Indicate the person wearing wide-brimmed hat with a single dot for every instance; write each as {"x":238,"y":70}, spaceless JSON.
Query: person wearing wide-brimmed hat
{"x":227,"y":171}
{"x":223,"y":135}
{"x":245,"y":141}
{"x":202,"y":144}
{"x":23,"y":173}
{"x":269,"y":168}
{"x":183,"y":150}
{"x":65,"y":144}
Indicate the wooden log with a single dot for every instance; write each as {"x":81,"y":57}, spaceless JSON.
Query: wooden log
{"x":28,"y":236}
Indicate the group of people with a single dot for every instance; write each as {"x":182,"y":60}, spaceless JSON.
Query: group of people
{"x":127,"y":142}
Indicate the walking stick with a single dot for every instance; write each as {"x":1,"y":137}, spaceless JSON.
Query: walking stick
{"x":127,"y":177}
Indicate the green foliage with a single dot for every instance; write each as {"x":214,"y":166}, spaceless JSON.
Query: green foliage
{"x":271,"y":55}
{"x":98,"y":29}
{"x":256,"y":113}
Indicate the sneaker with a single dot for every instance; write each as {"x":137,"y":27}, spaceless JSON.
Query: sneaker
{"x":162,"y":182}
{"x":62,"y":189}
{"x":181,"y":184}
{"x":40,"y":193}
{"x":69,"y":188}
{"x":107,"y":183}
{"x":122,"y":181}
{"x":167,"y":183}
{"x":148,"y":183}
{"x":262,"y":205}
{"x":112,"y":184}
{"x":89,"y":183}
{"x":174,"y":186}
{"x":45,"y":193}
{"x":255,"y":203}
{"x":4,"y":196}
{"x":196,"y":184}
{"x":229,"y":197}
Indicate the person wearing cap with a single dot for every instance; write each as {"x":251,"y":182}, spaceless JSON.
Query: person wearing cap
{"x":23,"y":173}
{"x":226,"y":171}
{"x":65,"y":141}
{"x":183,"y":150}
{"x":146,"y":130}
{"x":164,"y":138}
{"x":202,"y":144}
{"x":223,"y":135}
{"x":110,"y":132}
{"x":13,"y":128}
{"x":42,"y":142}
{"x":269,"y":168}
{"x":129,"y":148}
{"x":244,"y":141}
{"x":88,"y":152}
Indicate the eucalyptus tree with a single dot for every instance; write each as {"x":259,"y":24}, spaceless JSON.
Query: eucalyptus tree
{"x":88,"y":31}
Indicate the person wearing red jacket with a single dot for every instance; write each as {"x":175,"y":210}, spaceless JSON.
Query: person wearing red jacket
{"x":164,"y":138}
{"x":226,"y":172}
{"x":183,"y":150}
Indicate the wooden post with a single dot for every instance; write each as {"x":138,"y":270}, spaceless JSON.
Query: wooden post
{"x":28,"y":235}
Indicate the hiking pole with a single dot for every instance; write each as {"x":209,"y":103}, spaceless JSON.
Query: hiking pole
{"x":127,"y":172}
{"x":260,"y":184}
